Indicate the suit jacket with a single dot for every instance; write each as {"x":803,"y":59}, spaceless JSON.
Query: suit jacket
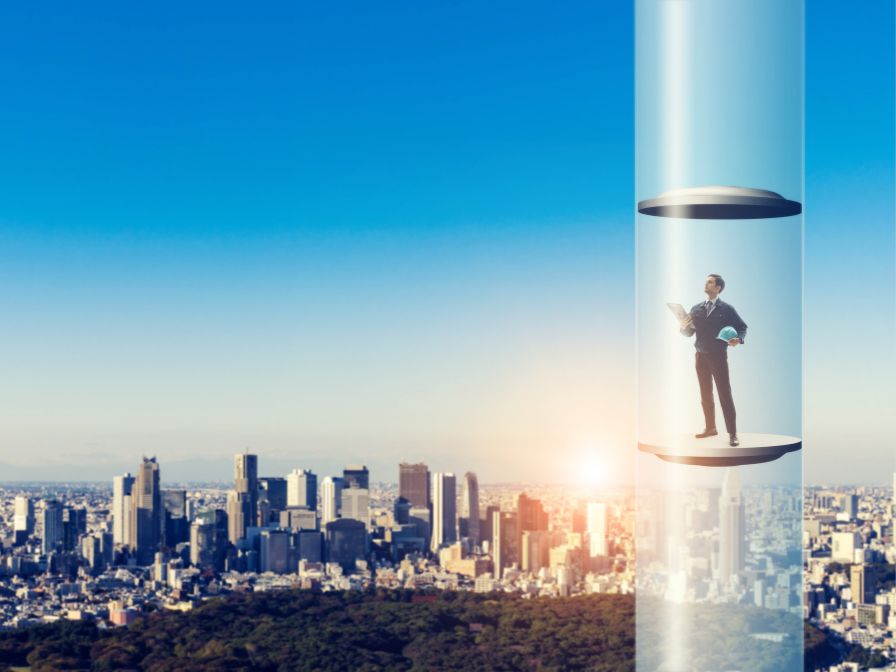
{"x":708,"y":328}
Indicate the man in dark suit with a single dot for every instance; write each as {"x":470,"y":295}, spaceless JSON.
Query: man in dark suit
{"x":706,"y":320}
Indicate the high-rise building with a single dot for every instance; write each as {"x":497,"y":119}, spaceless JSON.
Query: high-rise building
{"x":74,"y":524}
{"x":274,"y":551}
{"x":444,"y":510}
{"x":732,"y":527}
{"x":330,"y":499}
{"x":850,"y":505}
{"x":202,"y":543}
{"x":861,"y":584}
{"x":356,"y":476}
{"x":471,"y":506}
{"x":121,"y":489}
{"x":53,"y":529}
{"x":245,"y":482}
{"x":346,"y":541}
{"x":486,"y":526}
{"x":175,"y":525}
{"x":23,"y":516}
{"x":505,"y":544}
{"x":356,"y":504}
{"x":413,"y":484}
{"x":301,"y":489}
{"x":844,"y":546}
{"x":146,"y":512}
{"x":239,"y":512}
{"x":298,"y":518}
{"x":596,"y":517}
{"x":274,"y":488}
{"x":535,"y":550}
{"x":530,"y":516}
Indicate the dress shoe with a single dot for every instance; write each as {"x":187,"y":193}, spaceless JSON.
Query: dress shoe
{"x":706,"y":432}
{"x":733,"y":441}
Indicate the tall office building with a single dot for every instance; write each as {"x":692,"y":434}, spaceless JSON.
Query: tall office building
{"x":530,"y":516}
{"x":175,"y":525}
{"x":413,"y":484}
{"x":346,"y":541}
{"x":53,"y":527}
{"x":121,"y":496}
{"x":505,"y":543}
{"x":596,"y":521}
{"x":330,"y":500}
{"x":444,"y":510}
{"x":356,"y":504}
{"x":274,"y":489}
{"x":850,"y":506}
{"x":245,"y":481}
{"x":146,"y":512}
{"x":301,"y":489}
{"x":356,"y":476}
{"x":732,"y":527}
{"x":274,"y":551}
{"x":23,"y":516}
{"x":74,"y":524}
{"x":861,"y":584}
{"x":239,"y":512}
{"x":535,"y":550}
{"x":471,"y":506}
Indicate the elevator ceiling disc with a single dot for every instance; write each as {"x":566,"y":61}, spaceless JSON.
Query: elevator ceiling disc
{"x":719,"y":203}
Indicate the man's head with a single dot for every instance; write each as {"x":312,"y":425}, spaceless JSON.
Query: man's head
{"x":714,"y":285}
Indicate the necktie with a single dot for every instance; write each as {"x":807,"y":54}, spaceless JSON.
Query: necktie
{"x":708,"y":308}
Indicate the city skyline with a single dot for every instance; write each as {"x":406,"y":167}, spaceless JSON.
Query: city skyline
{"x":311,"y":230}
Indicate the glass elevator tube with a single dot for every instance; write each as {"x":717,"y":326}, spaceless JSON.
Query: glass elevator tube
{"x":719,"y":128}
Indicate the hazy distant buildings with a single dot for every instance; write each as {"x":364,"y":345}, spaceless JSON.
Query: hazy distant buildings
{"x":301,"y":489}
{"x":471,"y":506}
{"x":732,"y":528}
{"x":121,"y":499}
{"x":444,"y":510}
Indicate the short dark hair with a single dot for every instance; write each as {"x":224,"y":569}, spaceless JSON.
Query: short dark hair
{"x":720,"y":283}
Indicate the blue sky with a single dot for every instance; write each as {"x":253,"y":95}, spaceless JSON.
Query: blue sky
{"x":379,"y":232}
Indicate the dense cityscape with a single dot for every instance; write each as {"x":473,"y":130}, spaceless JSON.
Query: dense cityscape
{"x":94,"y":553}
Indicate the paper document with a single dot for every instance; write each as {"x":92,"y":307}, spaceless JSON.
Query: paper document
{"x":678,"y":311}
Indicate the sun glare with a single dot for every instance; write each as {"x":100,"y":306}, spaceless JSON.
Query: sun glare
{"x":591,"y":469}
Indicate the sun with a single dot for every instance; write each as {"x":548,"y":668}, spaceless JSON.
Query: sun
{"x":591,"y":468}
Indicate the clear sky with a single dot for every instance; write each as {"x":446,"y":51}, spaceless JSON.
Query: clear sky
{"x":373,"y":233}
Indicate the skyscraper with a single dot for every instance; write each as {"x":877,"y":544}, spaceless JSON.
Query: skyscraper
{"x":53,"y":532}
{"x":355,"y":504}
{"x":245,"y":481}
{"x":471,"y":506}
{"x":444,"y":510}
{"x":530,"y":516}
{"x":121,"y":489}
{"x":330,"y":499}
{"x":356,"y":476}
{"x":301,"y":489}
{"x":413,"y":484}
{"x":861,"y":584}
{"x":175,"y":526}
{"x":535,"y":550}
{"x":506,"y":539}
{"x":238,"y":515}
{"x":732,"y":527}
{"x":23,"y":520}
{"x":274,"y":488}
{"x":596,"y":520}
{"x":146,"y":512}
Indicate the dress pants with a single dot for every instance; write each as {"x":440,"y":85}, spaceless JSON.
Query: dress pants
{"x":714,"y":366}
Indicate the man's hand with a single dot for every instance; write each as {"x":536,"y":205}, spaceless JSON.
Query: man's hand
{"x":686,"y":323}
{"x":734,"y":341}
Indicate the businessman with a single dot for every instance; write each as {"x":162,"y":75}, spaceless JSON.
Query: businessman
{"x":706,"y":320}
